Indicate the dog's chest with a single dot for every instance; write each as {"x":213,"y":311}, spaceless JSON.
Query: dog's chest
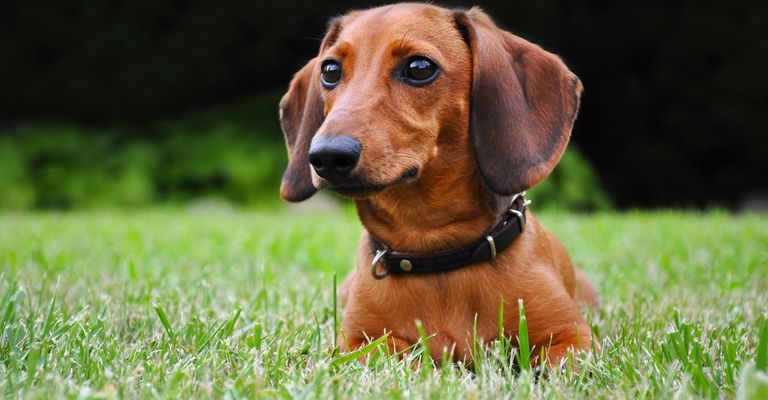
{"x":452,"y":311}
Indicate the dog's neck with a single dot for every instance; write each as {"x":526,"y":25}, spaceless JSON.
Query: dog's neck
{"x":447,"y":207}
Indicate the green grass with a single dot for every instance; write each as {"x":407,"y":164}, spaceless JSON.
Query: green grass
{"x":173,"y":303}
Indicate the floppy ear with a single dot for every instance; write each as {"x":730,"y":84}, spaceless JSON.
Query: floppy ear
{"x":523,"y":104}
{"x":301,"y":114}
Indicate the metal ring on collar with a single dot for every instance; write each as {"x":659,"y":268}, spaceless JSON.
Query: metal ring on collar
{"x":376,"y":260}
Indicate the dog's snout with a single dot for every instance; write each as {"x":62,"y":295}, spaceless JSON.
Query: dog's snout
{"x":335,"y":157}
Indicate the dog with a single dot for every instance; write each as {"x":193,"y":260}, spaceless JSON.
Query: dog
{"x":435,"y":121}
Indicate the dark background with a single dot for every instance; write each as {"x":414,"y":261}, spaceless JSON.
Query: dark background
{"x":675,"y":110}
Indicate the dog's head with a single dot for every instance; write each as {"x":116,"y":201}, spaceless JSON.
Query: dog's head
{"x":392,"y":84}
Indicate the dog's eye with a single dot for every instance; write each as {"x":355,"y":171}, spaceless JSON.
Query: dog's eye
{"x":331,"y":74}
{"x":419,"y":71}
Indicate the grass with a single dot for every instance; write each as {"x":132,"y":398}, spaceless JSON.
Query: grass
{"x":174,"y":303}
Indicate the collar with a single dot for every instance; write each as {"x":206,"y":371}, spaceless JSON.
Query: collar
{"x":511,"y":224}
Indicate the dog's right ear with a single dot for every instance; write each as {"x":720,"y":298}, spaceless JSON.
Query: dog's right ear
{"x":301,"y":114}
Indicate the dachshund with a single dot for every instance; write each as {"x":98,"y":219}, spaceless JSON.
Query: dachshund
{"x":435,"y":121}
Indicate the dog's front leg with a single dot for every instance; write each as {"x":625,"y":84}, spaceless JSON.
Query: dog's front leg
{"x":571,"y":342}
{"x":555,"y":325}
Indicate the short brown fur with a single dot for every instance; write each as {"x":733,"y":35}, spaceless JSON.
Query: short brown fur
{"x":494,"y":122}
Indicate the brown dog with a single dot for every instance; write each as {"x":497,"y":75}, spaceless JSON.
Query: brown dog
{"x":432,"y":120}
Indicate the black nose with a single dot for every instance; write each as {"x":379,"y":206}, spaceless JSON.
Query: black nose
{"x":335,"y":157}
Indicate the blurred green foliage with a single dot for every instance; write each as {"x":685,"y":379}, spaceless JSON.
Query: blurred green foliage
{"x":79,"y":168}
{"x":233,"y":152}
{"x":573,"y":185}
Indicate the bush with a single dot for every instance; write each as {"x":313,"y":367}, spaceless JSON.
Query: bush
{"x":573,"y":185}
{"x":62,"y":167}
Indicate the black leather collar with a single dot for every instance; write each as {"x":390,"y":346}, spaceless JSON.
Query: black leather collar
{"x":511,"y":225}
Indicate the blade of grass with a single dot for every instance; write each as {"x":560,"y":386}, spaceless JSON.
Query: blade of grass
{"x":357,"y":354}
{"x":7,"y":313}
{"x":761,"y":359}
{"x":49,"y":318}
{"x":426,"y":357}
{"x":501,"y":318}
{"x":232,"y":321}
{"x":335,"y":313}
{"x":500,"y":335}
{"x":166,"y":323}
{"x":524,"y":351}
{"x":32,"y":358}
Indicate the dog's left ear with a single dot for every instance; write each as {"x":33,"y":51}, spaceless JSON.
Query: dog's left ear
{"x":523,"y":104}
{"x":301,"y":114}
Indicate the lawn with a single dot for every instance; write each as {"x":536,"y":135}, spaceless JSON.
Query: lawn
{"x":182,"y":303}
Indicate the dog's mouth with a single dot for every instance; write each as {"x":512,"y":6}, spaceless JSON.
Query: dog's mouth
{"x":362,"y":189}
